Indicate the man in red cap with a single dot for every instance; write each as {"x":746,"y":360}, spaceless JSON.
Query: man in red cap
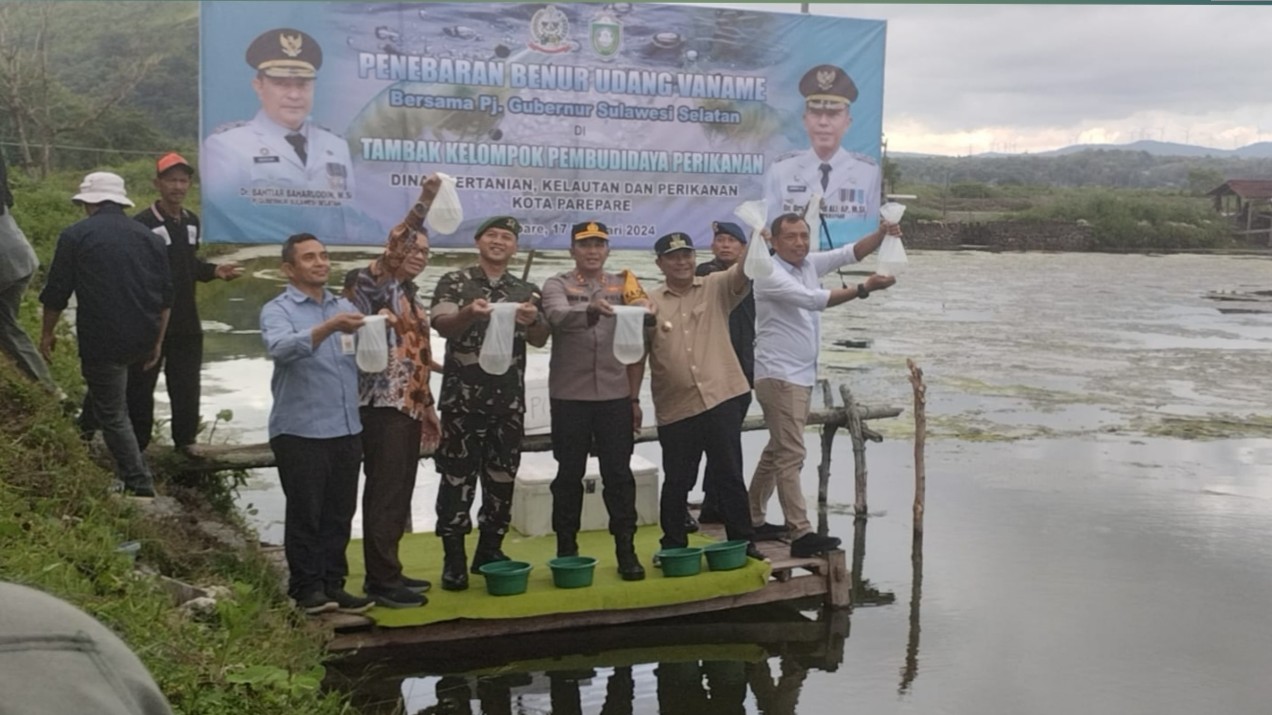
{"x":182,"y":356}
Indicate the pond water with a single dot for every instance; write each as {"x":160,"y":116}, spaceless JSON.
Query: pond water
{"x":1098,"y":535}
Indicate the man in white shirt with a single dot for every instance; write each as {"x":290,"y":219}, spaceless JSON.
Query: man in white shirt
{"x":788,"y":305}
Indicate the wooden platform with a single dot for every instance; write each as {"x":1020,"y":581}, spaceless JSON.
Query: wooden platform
{"x":824,"y":578}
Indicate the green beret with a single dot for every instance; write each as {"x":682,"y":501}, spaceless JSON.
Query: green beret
{"x":507,"y":223}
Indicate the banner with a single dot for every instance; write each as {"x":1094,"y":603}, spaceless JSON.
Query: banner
{"x":325,"y":117}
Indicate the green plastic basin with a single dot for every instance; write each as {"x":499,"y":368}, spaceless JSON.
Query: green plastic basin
{"x":726,"y":555}
{"x":506,"y":578}
{"x":685,"y":561}
{"x":572,"y":571}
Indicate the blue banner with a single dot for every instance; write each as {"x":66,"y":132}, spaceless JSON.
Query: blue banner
{"x":325,"y":117}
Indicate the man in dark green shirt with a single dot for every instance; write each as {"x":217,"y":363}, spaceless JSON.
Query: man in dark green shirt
{"x":482,"y":413}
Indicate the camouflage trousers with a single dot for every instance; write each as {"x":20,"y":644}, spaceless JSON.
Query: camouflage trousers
{"x":477,"y":447}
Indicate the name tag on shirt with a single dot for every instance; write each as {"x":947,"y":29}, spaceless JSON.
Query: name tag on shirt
{"x":268,"y":159}
{"x":346,"y":343}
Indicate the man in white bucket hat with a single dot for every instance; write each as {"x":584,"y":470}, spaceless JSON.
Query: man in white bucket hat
{"x":118,"y":271}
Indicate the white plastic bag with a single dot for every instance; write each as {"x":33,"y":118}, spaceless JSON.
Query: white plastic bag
{"x":373,"y":346}
{"x":759,"y":264}
{"x":446,"y":213}
{"x":891,"y":255}
{"x":629,"y":333}
{"x":892,"y":258}
{"x":496,"y":349}
{"x":892,"y":212}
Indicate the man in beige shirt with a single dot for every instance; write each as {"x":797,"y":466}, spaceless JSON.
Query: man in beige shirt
{"x":698,"y":388}
{"x":595,"y":398}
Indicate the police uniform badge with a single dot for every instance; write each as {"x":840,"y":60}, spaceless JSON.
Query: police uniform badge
{"x":607,"y":36}
{"x":549,"y":30}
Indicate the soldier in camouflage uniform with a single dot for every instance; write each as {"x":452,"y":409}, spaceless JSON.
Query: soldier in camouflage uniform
{"x":482,"y":414}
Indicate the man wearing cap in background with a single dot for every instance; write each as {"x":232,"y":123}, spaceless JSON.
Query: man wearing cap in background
{"x":482,"y":414}
{"x":17,"y":265}
{"x":698,"y":388}
{"x":398,"y":417}
{"x":595,"y":398}
{"x":789,"y":303}
{"x":848,"y":182}
{"x":280,"y":146}
{"x":182,"y":358}
{"x":727,"y":244}
{"x":118,"y":271}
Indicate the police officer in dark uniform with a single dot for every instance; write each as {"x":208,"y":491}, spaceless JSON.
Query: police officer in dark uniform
{"x":280,"y":147}
{"x":848,"y":182}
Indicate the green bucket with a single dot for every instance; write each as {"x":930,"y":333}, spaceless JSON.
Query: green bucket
{"x":726,"y":555}
{"x":572,"y":571}
{"x":685,"y":561}
{"x":506,"y":578}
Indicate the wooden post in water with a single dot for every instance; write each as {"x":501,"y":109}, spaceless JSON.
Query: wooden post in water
{"x":823,"y":469}
{"x":920,"y":434}
{"x":856,"y":431}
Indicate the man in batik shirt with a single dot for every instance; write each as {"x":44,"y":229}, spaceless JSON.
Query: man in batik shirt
{"x":396,"y":404}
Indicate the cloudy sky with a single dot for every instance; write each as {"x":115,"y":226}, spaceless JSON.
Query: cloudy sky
{"x":977,"y":78}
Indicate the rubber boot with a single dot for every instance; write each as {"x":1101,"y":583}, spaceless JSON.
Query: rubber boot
{"x":629,"y":567}
{"x":567,"y":544}
{"x":488,"y":550}
{"x":455,"y":564}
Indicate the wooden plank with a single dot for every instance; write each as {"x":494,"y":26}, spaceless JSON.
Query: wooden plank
{"x":222,"y":457}
{"x":800,"y":587}
{"x":838,"y":581}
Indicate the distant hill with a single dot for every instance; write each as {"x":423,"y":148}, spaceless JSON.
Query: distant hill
{"x":1258,"y":150}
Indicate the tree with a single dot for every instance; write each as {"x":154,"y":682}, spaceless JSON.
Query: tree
{"x":1202,"y":180}
{"x":891,"y":175}
{"x":41,"y":108}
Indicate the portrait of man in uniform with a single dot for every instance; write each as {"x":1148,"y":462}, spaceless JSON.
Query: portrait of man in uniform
{"x":848,"y":182}
{"x":280,"y":147}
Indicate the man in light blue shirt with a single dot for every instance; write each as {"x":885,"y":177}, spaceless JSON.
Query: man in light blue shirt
{"x":314,"y":428}
{"x":788,"y":306}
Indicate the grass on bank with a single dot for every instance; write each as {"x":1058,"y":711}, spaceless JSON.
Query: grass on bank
{"x":60,"y":531}
{"x":1120,"y":219}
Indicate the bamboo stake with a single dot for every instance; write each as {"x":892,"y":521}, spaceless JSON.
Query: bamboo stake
{"x":855,"y":430}
{"x":823,"y":469}
{"x":920,"y":435}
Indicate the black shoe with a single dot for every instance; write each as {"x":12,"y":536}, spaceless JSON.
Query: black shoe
{"x":691,"y":524}
{"x":418,"y":585}
{"x":708,"y":515}
{"x":316,"y":603}
{"x":753,"y":551}
{"x":629,"y":568}
{"x":455,"y":564}
{"x":348,"y":603}
{"x":140,"y":492}
{"x":567,"y":544}
{"x":769,"y":532}
{"x":811,"y":544}
{"x":398,"y":597}
{"x":488,"y":551}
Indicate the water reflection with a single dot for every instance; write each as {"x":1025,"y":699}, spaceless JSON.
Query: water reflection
{"x":754,"y":659}
{"x":704,"y":664}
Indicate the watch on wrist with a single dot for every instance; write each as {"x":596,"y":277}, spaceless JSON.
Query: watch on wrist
{"x":862,"y":293}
